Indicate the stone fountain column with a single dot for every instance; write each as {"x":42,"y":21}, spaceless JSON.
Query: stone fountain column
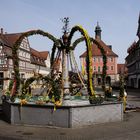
{"x":65,"y":69}
{"x":65,"y":75}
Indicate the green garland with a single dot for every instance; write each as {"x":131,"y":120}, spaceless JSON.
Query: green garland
{"x":104,"y":60}
{"x":15,"y":54}
{"x":77,"y":41}
{"x":53,"y":54}
{"x":59,"y":45}
{"x":49,"y":82}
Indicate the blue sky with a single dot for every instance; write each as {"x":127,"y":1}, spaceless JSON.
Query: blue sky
{"x":118,"y":20}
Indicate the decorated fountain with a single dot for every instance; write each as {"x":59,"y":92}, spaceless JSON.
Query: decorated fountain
{"x":57,"y":105}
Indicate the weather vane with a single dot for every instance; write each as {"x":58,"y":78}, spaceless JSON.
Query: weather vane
{"x":65,"y":28}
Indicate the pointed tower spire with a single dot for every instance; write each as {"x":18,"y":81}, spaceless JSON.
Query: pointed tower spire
{"x":98,"y":31}
{"x":138,"y":31}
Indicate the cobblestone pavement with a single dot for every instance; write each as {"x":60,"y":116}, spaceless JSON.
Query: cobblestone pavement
{"x":126,"y":130}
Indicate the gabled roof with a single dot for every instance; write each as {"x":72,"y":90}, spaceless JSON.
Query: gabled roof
{"x":42,"y":54}
{"x":35,"y":52}
{"x":96,"y":51}
{"x":38,"y":57}
{"x":10,"y":39}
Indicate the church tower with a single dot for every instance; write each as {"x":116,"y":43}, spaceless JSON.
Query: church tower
{"x":98,"y":32}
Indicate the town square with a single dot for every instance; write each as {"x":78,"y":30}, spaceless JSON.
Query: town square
{"x":69,"y":70}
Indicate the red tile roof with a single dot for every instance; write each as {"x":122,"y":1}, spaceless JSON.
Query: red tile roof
{"x":11,"y":38}
{"x":43,"y":54}
{"x":38,"y":57}
{"x":96,"y":51}
{"x":35,"y":52}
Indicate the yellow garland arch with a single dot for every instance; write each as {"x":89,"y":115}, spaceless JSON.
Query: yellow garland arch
{"x":91,"y":91}
{"x":76,"y":42}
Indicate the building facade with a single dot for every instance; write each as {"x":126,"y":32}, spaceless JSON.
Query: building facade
{"x":30,"y":60}
{"x":97,"y":60}
{"x":122,"y":69}
{"x":133,"y":62}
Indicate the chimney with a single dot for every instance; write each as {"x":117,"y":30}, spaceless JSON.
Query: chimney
{"x":110,"y":47}
{"x":1,"y":30}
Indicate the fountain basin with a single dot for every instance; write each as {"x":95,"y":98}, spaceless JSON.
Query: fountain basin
{"x":71,"y":114}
